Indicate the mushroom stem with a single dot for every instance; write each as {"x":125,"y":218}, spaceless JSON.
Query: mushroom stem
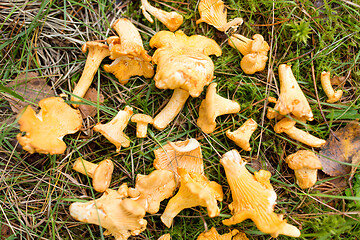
{"x":172,"y":20}
{"x":287,"y":125}
{"x":85,"y":167}
{"x":242,"y":135}
{"x":328,"y":89}
{"x":97,"y":52}
{"x":235,"y":22}
{"x":172,"y":109}
{"x":141,"y":130}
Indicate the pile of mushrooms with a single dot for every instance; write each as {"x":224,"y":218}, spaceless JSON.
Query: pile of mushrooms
{"x":183,"y":65}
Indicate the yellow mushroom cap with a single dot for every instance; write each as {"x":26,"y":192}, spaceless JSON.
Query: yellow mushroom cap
{"x":45,"y":130}
{"x":120,"y":216}
{"x":247,"y":46}
{"x":153,"y":188}
{"x":305,"y":164}
{"x":212,"y":234}
{"x":113,"y":130}
{"x":242,"y":135}
{"x":165,"y":237}
{"x":183,"y":62}
{"x":213,"y":106}
{"x":253,"y":197}
{"x":195,"y":190}
{"x":180,"y":154}
{"x":102,"y":175}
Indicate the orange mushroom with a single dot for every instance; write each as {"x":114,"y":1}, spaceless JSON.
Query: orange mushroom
{"x":242,"y":135}
{"x":195,"y":190}
{"x":253,"y":197}
{"x":142,"y":121}
{"x":44,"y":131}
{"x":212,"y":234}
{"x":328,"y":89}
{"x":114,"y":130}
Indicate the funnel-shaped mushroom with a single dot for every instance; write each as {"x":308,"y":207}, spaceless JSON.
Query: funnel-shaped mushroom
{"x":128,"y":53}
{"x":172,"y":20}
{"x":45,"y":130}
{"x":97,"y":52}
{"x":165,"y":237}
{"x":287,"y":126}
{"x":213,"y":106}
{"x":121,"y":217}
{"x":172,"y":108}
{"x":142,"y":121}
{"x":114,"y":130}
{"x":212,"y":234}
{"x":253,"y":197}
{"x":195,"y":190}
{"x":305,"y":165}
{"x":242,"y":135}
{"x":214,"y":13}
{"x":181,"y":154}
{"x":183,"y":62}
{"x":100,"y":173}
{"x":292,"y":99}
{"x":254,"y":51}
{"x":328,"y":89}
{"x":153,"y":188}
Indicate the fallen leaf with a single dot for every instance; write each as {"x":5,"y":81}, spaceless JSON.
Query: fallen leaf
{"x":90,"y":110}
{"x":31,"y":87}
{"x":5,"y":232}
{"x":344,"y":150}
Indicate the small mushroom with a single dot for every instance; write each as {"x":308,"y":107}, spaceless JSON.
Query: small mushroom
{"x":253,"y":198}
{"x":305,"y":165}
{"x":44,"y":131}
{"x":96,"y":53}
{"x":100,"y":173}
{"x":172,"y":20}
{"x":154,"y":188}
{"x":242,"y":135}
{"x":165,"y":237}
{"x":181,"y":154}
{"x":195,"y":190}
{"x":113,"y":130}
{"x":328,"y":89}
{"x":214,"y":13}
{"x":142,"y":121}
{"x":121,"y":216}
{"x":292,"y":99}
{"x":213,"y":106}
{"x":183,"y":62}
{"x":128,"y":53}
{"x":254,"y":51}
{"x":212,"y":234}
{"x":172,"y":108}
{"x":287,"y":125}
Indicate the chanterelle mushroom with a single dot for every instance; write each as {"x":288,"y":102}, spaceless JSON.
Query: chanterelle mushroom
{"x":181,"y":154}
{"x":141,"y":120}
{"x":213,"y":106}
{"x":254,"y":51}
{"x":165,"y":237}
{"x":172,"y":20}
{"x":172,"y":108}
{"x":153,"y":188}
{"x":242,"y":135}
{"x":183,"y":62}
{"x":292,"y":99}
{"x":128,"y":53}
{"x":214,"y":12}
{"x":121,"y":216}
{"x":113,"y":130}
{"x":195,"y":190}
{"x":100,"y":173}
{"x":287,"y":125}
{"x":212,"y":234}
{"x":45,"y":130}
{"x":253,"y":197}
{"x":328,"y":89}
{"x":97,"y":52}
{"x":305,"y":165}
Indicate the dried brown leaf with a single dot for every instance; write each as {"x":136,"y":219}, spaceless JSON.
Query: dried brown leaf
{"x":89,"y":110}
{"x":31,"y":87}
{"x":344,"y":150}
